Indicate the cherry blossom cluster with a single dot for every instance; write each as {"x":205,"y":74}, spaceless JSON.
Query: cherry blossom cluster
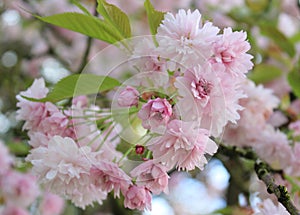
{"x":20,"y":191}
{"x":191,"y":84}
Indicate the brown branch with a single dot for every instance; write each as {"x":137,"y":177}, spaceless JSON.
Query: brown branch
{"x":263,"y":172}
{"x":88,"y":46}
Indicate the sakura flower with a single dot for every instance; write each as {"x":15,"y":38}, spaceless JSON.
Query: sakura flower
{"x":147,"y":57}
{"x":128,"y":97}
{"x":38,"y":139}
{"x":108,"y":176}
{"x":183,"y":145}
{"x":137,"y":198}
{"x":19,"y":189}
{"x":155,"y":114}
{"x":87,"y":133}
{"x":267,"y":207}
{"x":213,"y":99}
{"x":295,"y":127}
{"x":151,"y":64}
{"x":294,"y":168}
{"x":80,"y":101}
{"x":258,"y":107}
{"x":151,"y":175}
{"x":37,"y":90}
{"x":182,"y":38}
{"x":6,"y":159}
{"x":230,"y":51}
{"x":55,"y":123}
{"x":64,"y":169}
{"x":32,"y":112}
{"x":14,"y":210}
{"x":273,"y":147}
{"x":51,"y":204}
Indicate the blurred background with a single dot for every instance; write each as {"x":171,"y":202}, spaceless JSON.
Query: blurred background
{"x":30,"y":48}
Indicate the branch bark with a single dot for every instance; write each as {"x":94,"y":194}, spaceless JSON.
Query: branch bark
{"x":264,"y":173}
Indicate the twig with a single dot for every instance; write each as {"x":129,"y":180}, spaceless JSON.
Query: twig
{"x":88,"y":47}
{"x":263,"y":172}
{"x":85,"y":55}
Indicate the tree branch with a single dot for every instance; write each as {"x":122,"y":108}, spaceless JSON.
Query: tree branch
{"x":88,"y":47}
{"x":263,"y":172}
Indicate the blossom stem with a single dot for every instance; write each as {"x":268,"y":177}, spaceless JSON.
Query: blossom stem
{"x":127,"y":153}
{"x":105,"y":138}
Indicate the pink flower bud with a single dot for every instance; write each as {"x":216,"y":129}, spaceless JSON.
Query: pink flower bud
{"x":128,"y":97}
{"x":139,"y":149}
{"x":137,"y":198}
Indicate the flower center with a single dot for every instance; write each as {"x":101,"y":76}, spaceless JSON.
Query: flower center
{"x":201,"y":89}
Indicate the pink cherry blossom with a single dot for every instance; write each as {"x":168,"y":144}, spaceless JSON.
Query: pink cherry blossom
{"x":137,"y":198}
{"x":267,"y":207}
{"x":86,"y":132}
{"x":38,"y":139}
{"x":55,"y":123}
{"x":19,"y":189}
{"x":14,"y":210}
{"x":230,"y":51}
{"x":64,"y":169}
{"x":209,"y":98}
{"x":151,"y":175}
{"x":108,"y":176}
{"x":51,"y":204}
{"x":295,"y":127}
{"x":183,"y":145}
{"x":32,"y":112}
{"x":151,"y":64}
{"x":155,"y":114}
{"x":258,"y":107}
{"x":182,"y":38}
{"x":6,"y":160}
{"x":128,"y":97}
{"x":147,"y":57}
{"x":80,"y":101}
{"x":294,"y":168}
{"x":272,"y":146}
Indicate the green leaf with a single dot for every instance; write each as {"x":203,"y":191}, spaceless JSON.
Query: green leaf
{"x":85,"y":24}
{"x":294,"y":81}
{"x":295,"y":38}
{"x":257,"y":6}
{"x":154,"y":17}
{"x":263,"y":73}
{"x":18,"y":148}
{"x":81,"y":7}
{"x":115,"y":17}
{"x":80,"y":84}
{"x":278,"y":38}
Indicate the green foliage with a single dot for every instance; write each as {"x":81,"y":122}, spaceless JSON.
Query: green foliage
{"x":113,"y":28}
{"x":115,"y":17}
{"x":257,"y":6}
{"x":278,"y":38}
{"x":18,"y":148}
{"x":81,"y":7}
{"x":294,"y":81}
{"x":85,"y":24}
{"x":75,"y":85}
{"x":263,"y":73}
{"x":154,"y":17}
